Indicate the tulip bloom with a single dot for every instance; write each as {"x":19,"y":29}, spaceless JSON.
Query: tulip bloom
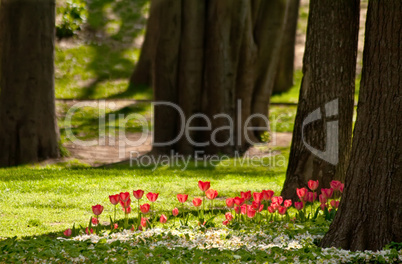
{"x":145,"y":208}
{"x":97,"y":209}
{"x":287,"y":203}
{"x":327,"y":192}
{"x":277,"y":199}
{"x":282,"y":210}
{"x":94,"y":221}
{"x":152,"y":197}
{"x":138,"y":194}
{"x":115,"y":226}
{"x":246,"y":195}
{"x":243,"y":209}
{"x":301,"y":193}
{"x":163,"y":219}
{"x":126,"y":203}
{"x":238,"y":200}
{"x":229,"y":216}
{"x":182,"y":197}
{"x":335,"y":185}
{"x":124,"y":196}
{"x":89,"y":231}
{"x":143,"y":221}
{"x":127,"y":210}
{"x":114,"y":199}
{"x":334,"y":204}
{"x":225,"y":222}
{"x":230,"y":202}
{"x":251,"y":212}
{"x":271,"y":209}
{"x":310,"y":197}
{"x":313,"y":185}
{"x":197,"y":202}
{"x":341,"y":187}
{"x":68,"y":232}
{"x":267,"y":194}
{"x":211,"y":194}
{"x":323,"y":199}
{"x":237,"y":209}
{"x":299,"y":205}
{"x":204,"y":186}
{"x":258,"y":196}
{"x":175,"y":211}
{"x":323,"y":205}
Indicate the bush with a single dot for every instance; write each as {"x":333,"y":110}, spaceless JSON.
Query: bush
{"x":74,"y":14}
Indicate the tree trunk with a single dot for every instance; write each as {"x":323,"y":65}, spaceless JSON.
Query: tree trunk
{"x":27,"y":110}
{"x":328,"y":88}
{"x":209,"y":55}
{"x":284,"y":76}
{"x":370,"y":213}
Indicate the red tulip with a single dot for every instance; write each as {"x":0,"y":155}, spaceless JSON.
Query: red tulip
{"x":114,"y":199}
{"x":97,"y":209}
{"x":152,"y":196}
{"x":251,"y":212}
{"x":238,"y":200}
{"x":237,"y":209}
{"x":313,"y":185}
{"x":310,"y":197}
{"x":229,"y":216}
{"x":204,"y":186}
{"x":138,"y":194}
{"x":282,"y":210}
{"x":287,"y":203}
{"x":175,"y":211}
{"x":334,"y":204}
{"x":341,"y":187}
{"x":327,"y":192}
{"x":323,"y":205}
{"x":145,"y":208}
{"x":230,"y":202}
{"x":277,"y":199}
{"x":267,"y":194}
{"x":271,"y":209}
{"x":182,"y":197}
{"x":68,"y":232}
{"x":323,"y":198}
{"x":336,"y":185}
{"x":275,"y":206}
{"x":243,"y":209}
{"x":94,"y":221}
{"x":89,"y":231}
{"x":115,"y":226}
{"x":301,"y":193}
{"x":143,"y":221}
{"x":197,"y":202}
{"x":124,"y":196}
{"x":225,"y":222}
{"x":246,"y":195}
{"x":163,"y":219}
{"x":126,"y":203}
{"x":211,"y":194}
{"x":127,"y":209}
{"x":257,"y":196}
{"x":299,"y":205}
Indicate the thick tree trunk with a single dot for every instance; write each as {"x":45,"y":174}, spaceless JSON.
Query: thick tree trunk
{"x":329,"y":74}
{"x":28,"y":128}
{"x":284,"y":75}
{"x":370,"y":213}
{"x":209,"y":55}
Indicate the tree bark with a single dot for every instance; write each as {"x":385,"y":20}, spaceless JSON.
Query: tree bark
{"x":284,"y":76}
{"x":209,"y":55}
{"x":329,"y":74}
{"x":370,"y":213}
{"x":27,"y":110}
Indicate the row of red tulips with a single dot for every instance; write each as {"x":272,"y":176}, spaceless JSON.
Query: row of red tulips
{"x":247,"y":204}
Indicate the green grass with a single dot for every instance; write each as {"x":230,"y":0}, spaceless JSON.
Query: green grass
{"x":43,"y":200}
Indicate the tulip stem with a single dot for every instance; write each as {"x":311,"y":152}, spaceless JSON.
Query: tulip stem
{"x":115,"y":213}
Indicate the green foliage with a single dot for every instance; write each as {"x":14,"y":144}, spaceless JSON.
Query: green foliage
{"x":73,"y":16}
